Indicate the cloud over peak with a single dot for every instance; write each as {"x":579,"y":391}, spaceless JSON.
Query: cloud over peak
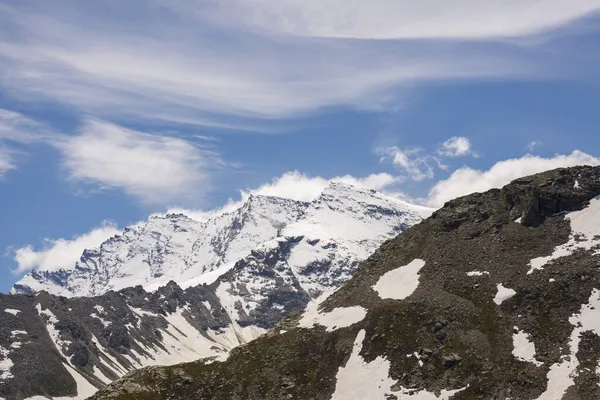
{"x":61,"y":253}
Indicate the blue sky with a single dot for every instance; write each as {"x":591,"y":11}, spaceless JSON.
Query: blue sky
{"x":111,"y":111}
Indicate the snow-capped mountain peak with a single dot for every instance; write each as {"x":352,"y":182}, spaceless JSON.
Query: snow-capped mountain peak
{"x":176,"y":247}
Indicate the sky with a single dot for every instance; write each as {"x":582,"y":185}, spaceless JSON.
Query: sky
{"x":112,"y":111}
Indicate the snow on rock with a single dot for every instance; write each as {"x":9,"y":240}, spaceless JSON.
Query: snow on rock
{"x":585,"y":234}
{"x":337,"y":318}
{"x":5,"y":364}
{"x":401,"y":282}
{"x":100,"y":310}
{"x":477,"y":273}
{"x":12,"y":311}
{"x":358,"y":380}
{"x":503,"y":294}
{"x":52,"y":331}
{"x":171,"y":247}
{"x":84,"y":388}
{"x":523,"y":347}
{"x":518,"y":220}
{"x":561,"y":375}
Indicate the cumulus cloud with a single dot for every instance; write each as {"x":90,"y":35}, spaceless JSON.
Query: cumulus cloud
{"x":456,"y":146}
{"x":468,"y":180}
{"x":296,"y":186}
{"x":98,"y":58}
{"x":61,"y":253}
{"x":153,"y":168}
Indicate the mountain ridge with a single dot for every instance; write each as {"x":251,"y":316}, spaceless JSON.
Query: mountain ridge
{"x":173,"y":247}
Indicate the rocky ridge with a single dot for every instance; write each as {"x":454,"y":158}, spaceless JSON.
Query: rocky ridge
{"x":56,"y":346}
{"x":495,"y":296}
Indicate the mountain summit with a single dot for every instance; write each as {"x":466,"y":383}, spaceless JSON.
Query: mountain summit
{"x":495,"y":296}
{"x":177,"y":248}
{"x":172,"y":290}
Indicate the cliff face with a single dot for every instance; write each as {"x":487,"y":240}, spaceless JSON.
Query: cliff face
{"x":495,"y":296}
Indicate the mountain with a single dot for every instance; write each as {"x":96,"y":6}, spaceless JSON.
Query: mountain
{"x":171,"y":247}
{"x":495,"y":296}
{"x":174,"y":290}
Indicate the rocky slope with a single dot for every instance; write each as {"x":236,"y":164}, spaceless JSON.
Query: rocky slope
{"x":495,"y":296}
{"x":56,"y":346}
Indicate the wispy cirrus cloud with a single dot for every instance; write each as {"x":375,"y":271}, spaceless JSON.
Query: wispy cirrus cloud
{"x":219,"y":64}
{"x":394,"y":19}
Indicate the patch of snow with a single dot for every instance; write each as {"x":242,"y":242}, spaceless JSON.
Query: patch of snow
{"x":561,"y":375}
{"x":98,"y":373}
{"x":477,"y":273}
{"x":524,"y":348}
{"x":224,"y":294}
{"x":99,"y":308}
{"x":337,"y":318}
{"x":551,"y":280}
{"x":503,"y":294}
{"x":17,"y":332}
{"x":12,"y":311}
{"x":52,"y":331}
{"x":417,"y":356}
{"x":207,"y":305}
{"x":104,"y":322}
{"x":358,"y":380}
{"x":113,"y":364}
{"x":585,"y":234}
{"x":401,"y":282}
{"x":84,"y":388}
{"x":5,"y":364}
{"x":518,"y":220}
{"x":576,"y":185}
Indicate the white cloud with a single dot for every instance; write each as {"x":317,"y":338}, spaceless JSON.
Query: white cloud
{"x":296,"y":186}
{"x":6,"y":161}
{"x":467,"y":180}
{"x":397,"y":19}
{"x":414,"y":161}
{"x":167,"y":65}
{"x":16,"y":128}
{"x":456,"y":146}
{"x":532,"y":145}
{"x":61,"y":253}
{"x":154,"y":168}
